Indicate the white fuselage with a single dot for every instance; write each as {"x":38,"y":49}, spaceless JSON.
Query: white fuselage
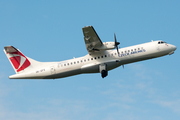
{"x":90,"y":63}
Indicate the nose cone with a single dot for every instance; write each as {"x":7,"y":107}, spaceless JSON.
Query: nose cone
{"x":174,"y":47}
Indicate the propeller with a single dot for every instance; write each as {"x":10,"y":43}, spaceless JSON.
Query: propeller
{"x":116,"y":43}
{"x":116,"y":46}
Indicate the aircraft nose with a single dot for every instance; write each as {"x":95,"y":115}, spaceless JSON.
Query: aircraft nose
{"x":174,"y":47}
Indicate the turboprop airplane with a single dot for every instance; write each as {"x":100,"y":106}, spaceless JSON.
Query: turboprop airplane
{"x":101,"y":58}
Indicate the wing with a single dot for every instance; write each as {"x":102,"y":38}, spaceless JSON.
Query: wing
{"x":91,"y":39}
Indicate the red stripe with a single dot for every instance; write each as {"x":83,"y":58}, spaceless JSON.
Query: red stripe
{"x":16,"y":60}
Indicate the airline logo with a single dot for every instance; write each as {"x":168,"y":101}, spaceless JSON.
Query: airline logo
{"x":19,"y":61}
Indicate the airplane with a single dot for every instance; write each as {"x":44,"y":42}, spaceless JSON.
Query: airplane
{"x":101,"y":58}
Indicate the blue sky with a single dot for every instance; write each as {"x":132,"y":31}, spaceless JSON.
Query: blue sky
{"x":52,"y":31}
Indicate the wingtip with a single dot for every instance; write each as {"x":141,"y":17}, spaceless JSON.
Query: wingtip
{"x":88,"y":26}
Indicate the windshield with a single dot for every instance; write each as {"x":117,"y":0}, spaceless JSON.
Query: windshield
{"x":161,"y":42}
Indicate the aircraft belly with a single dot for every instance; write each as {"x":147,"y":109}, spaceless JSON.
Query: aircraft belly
{"x":94,"y":68}
{"x":64,"y":74}
{"x":90,"y":68}
{"x":26,"y":76}
{"x":113,"y":64}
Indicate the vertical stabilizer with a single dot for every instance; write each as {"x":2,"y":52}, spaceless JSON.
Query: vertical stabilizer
{"x":16,"y":58}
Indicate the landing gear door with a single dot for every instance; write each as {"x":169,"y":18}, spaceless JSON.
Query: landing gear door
{"x":53,"y":70}
{"x":102,"y":67}
{"x":103,"y":70}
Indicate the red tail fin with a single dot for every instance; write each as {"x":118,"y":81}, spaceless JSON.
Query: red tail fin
{"x":17,"y":59}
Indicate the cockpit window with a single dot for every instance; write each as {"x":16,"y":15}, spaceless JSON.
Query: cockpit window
{"x":161,"y":42}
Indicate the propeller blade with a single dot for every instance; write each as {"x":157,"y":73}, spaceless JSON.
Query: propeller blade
{"x":115,"y":37}
{"x":116,"y":43}
{"x":117,"y":50}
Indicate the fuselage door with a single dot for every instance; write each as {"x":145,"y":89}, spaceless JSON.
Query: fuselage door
{"x":53,"y":70}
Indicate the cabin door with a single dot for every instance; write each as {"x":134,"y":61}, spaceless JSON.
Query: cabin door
{"x":53,"y":70}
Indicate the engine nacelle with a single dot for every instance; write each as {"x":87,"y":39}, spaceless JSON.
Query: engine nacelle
{"x":107,"y":46}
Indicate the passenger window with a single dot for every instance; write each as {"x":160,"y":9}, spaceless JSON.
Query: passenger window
{"x":94,"y":57}
{"x":77,"y":61}
{"x":84,"y":60}
{"x":131,"y":49}
{"x":105,"y":55}
{"x":68,"y":64}
{"x":101,"y":56}
{"x":74,"y":62}
{"x":91,"y":58}
{"x":115,"y":53}
{"x":128,"y":50}
{"x":134,"y":49}
{"x":122,"y":52}
{"x":98,"y":57}
{"x":64,"y":64}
